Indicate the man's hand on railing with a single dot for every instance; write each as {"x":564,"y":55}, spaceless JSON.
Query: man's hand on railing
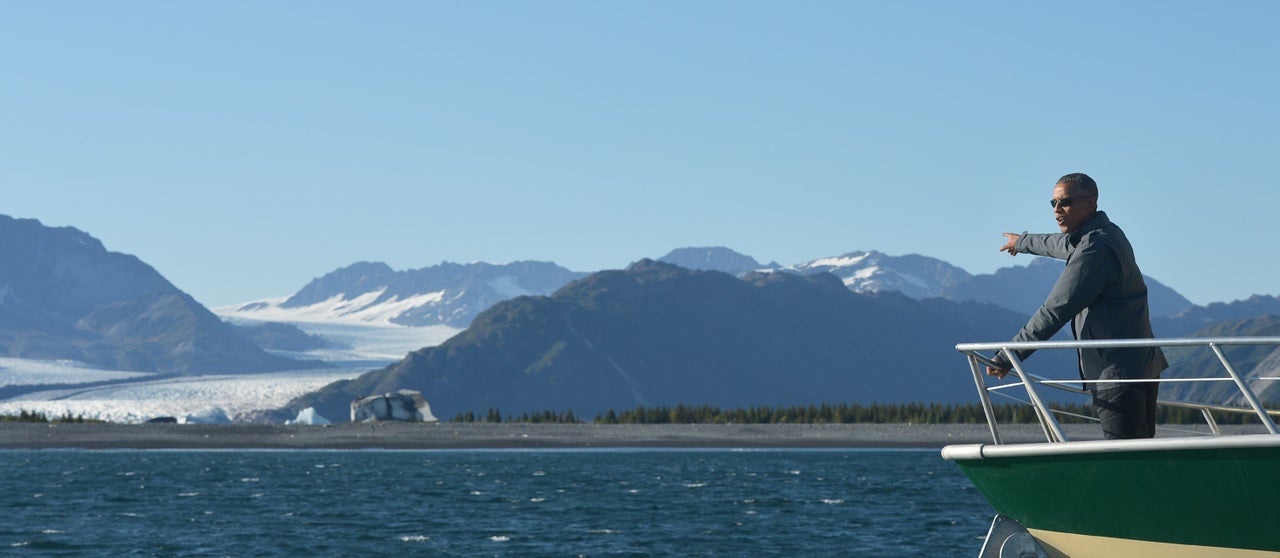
{"x":1002,"y":366}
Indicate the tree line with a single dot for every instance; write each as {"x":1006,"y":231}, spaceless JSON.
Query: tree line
{"x":495,"y":415}
{"x":841,"y":413}
{"x":31,"y":416}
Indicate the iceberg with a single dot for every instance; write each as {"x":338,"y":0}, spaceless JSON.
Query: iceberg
{"x":309,"y":416}
{"x":404,"y":405}
{"x":208,"y":416}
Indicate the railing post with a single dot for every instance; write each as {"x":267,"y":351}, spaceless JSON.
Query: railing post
{"x":985,"y":397}
{"x":1245,"y":390}
{"x":1054,"y":430}
{"x":1213,"y":424}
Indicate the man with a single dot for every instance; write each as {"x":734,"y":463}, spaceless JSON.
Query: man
{"x":1101,"y":291}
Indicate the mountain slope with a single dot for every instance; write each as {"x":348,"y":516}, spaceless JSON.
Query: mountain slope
{"x":660,"y":334}
{"x":64,"y":296}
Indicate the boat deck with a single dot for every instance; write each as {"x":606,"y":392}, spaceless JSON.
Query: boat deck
{"x":1209,"y":493}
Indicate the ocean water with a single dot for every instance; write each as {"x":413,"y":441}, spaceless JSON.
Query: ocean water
{"x":488,"y":503}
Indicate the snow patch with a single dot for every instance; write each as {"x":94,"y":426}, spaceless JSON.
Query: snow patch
{"x":363,"y":310}
{"x":839,"y":261}
{"x":866,"y":273}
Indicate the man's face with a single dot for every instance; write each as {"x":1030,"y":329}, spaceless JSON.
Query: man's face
{"x":1071,"y":214}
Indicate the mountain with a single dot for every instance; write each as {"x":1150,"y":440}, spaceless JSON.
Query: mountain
{"x":373,"y":293}
{"x":64,"y":296}
{"x":715,"y":258}
{"x":657,"y":333}
{"x":913,"y":275}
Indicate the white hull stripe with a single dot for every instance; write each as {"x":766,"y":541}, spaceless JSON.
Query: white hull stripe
{"x":1072,"y":545}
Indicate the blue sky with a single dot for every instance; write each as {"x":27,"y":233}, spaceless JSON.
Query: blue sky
{"x":243,"y":148}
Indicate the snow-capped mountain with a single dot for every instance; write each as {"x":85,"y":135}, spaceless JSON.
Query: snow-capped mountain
{"x":913,"y":275}
{"x":368,"y":293}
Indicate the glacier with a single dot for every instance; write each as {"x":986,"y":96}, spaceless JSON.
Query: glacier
{"x":69,"y":388}
{"x":196,"y":399}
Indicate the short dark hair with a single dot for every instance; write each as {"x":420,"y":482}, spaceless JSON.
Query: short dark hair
{"x":1081,"y":182}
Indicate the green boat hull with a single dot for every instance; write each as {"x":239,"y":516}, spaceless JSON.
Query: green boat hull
{"x":1204,"y":496}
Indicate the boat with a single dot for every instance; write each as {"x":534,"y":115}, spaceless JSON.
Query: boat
{"x":1213,"y":492}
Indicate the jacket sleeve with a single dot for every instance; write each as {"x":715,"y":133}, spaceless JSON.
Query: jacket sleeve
{"x":1090,"y":269}
{"x":1056,"y":246}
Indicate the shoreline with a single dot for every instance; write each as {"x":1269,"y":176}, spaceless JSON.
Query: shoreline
{"x":409,"y":436}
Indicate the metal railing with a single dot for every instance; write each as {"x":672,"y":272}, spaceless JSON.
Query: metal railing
{"x":1053,"y":430}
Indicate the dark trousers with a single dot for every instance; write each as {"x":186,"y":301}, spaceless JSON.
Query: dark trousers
{"x":1128,"y":411}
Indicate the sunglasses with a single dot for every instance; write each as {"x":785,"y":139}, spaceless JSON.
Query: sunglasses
{"x":1065,"y":202}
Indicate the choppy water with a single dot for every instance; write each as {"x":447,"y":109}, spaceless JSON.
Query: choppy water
{"x":488,"y":503}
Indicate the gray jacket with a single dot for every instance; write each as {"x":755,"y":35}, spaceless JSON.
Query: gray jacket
{"x":1102,"y":293}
